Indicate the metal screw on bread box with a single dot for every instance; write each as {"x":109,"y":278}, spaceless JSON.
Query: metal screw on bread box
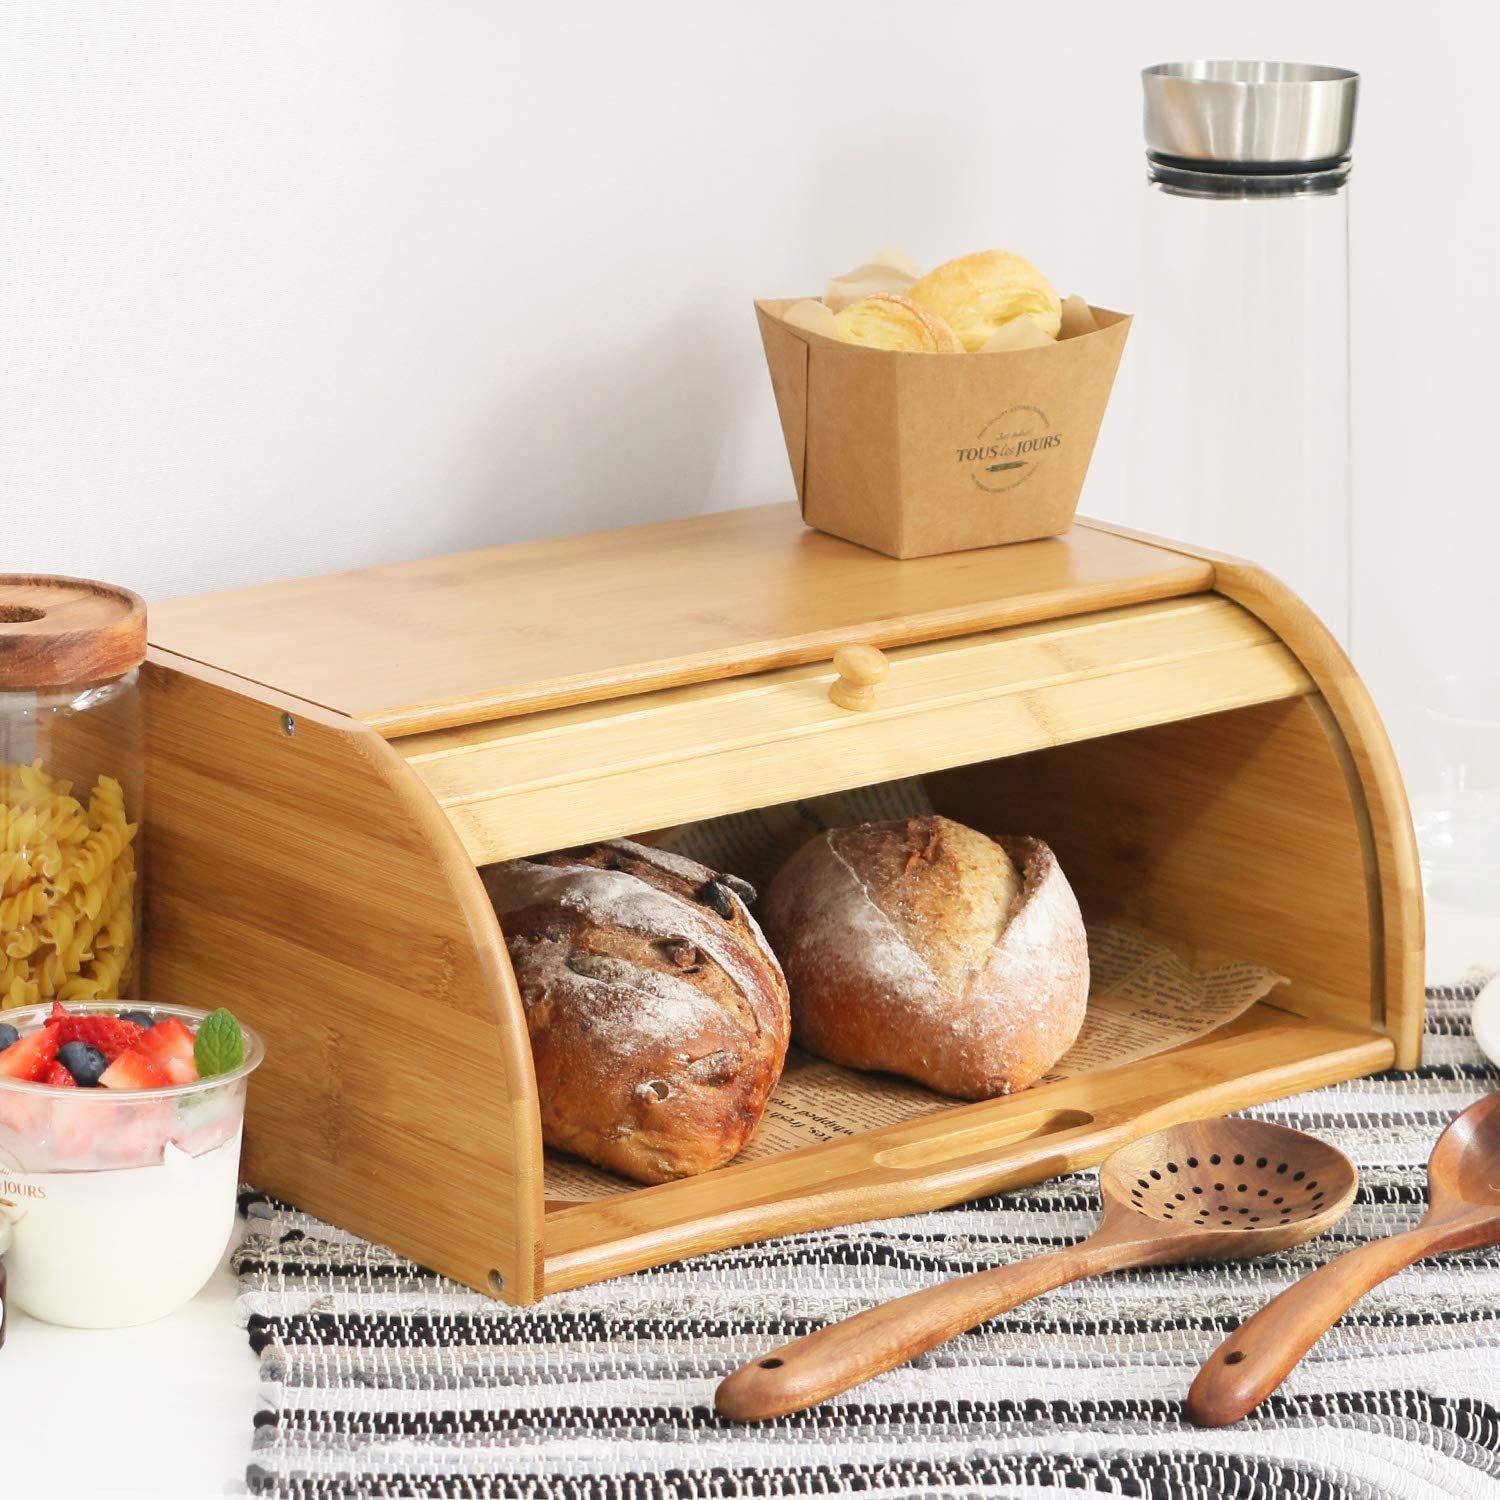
{"x":860,"y":669}
{"x":288,"y":725}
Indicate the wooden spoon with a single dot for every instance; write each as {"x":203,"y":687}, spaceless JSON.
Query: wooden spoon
{"x":1463,"y":1180}
{"x":1213,"y":1190}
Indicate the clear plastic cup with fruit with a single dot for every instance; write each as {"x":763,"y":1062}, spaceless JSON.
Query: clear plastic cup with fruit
{"x":119,"y":1156}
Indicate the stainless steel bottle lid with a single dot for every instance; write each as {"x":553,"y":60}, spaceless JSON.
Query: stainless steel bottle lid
{"x":1256,"y":115}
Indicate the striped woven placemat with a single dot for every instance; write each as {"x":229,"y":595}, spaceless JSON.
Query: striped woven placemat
{"x":382,"y":1379}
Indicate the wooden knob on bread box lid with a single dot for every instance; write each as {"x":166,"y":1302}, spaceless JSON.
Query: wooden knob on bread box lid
{"x":860,"y":669}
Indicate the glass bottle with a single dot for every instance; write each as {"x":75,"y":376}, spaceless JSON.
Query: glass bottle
{"x":1240,"y":420}
{"x":72,"y":763}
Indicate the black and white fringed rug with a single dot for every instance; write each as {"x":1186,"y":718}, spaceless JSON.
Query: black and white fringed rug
{"x":381,"y":1379}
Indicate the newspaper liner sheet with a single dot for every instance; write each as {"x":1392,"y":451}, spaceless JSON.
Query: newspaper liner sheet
{"x":1143,"y":999}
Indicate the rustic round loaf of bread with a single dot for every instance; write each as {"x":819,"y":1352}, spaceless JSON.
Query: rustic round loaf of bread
{"x":928,"y":949}
{"x":657,"y":1011}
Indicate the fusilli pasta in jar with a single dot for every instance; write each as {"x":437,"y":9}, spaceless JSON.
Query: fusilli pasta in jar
{"x":71,"y":781}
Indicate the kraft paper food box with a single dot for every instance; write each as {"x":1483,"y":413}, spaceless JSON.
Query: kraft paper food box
{"x":915,"y":454}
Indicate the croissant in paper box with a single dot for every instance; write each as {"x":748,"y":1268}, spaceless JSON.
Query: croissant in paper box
{"x":976,"y":294}
{"x":991,"y":302}
{"x":889,"y":322}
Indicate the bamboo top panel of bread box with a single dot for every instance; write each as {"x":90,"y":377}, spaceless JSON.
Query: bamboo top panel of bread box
{"x":334,"y":761}
{"x":483,"y":635}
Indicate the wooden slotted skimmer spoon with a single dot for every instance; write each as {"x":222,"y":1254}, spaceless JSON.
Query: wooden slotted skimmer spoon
{"x":1213,"y":1190}
{"x":1463,"y":1189}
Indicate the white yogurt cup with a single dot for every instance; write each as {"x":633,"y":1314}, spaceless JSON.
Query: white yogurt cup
{"x":116,"y":1205}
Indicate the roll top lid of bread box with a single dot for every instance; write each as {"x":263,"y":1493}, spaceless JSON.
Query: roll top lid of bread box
{"x":916,"y":454}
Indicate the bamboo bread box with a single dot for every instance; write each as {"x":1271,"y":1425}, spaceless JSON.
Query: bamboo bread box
{"x":332,"y":761}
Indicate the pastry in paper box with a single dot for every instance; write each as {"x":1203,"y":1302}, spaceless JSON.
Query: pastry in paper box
{"x":657,"y":1012}
{"x":889,"y":322}
{"x":924,"y":947}
{"x":976,"y":294}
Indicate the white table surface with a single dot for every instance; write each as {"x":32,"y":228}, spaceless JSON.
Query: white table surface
{"x":165,"y":1410}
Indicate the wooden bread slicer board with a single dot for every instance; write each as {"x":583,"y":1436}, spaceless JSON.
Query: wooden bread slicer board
{"x":332,"y":760}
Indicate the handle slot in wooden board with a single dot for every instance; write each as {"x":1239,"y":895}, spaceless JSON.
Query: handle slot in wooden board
{"x":1265,"y":1054}
{"x":976,"y":1140}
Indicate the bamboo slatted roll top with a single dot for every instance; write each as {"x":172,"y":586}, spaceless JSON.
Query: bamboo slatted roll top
{"x":72,"y":756}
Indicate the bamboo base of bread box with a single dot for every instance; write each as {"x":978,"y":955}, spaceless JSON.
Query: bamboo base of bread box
{"x":332,"y":760}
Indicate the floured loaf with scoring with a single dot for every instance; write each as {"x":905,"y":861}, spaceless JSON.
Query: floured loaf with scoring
{"x":657,"y":1011}
{"x":926,"y":948}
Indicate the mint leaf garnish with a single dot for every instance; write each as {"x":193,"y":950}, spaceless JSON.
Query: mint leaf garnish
{"x":220,"y":1047}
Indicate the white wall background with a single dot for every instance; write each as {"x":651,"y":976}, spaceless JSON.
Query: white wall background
{"x":287,"y":288}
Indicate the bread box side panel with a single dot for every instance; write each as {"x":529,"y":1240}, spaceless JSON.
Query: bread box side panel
{"x":1393,"y":870}
{"x":301,"y":875}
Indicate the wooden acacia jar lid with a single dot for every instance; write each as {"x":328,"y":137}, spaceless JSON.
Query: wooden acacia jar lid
{"x":67,"y":632}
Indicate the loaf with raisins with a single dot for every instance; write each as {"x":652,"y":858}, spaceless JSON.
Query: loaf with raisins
{"x":658,"y":1013}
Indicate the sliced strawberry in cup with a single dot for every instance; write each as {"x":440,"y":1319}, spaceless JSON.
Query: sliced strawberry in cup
{"x":59,"y":1077}
{"x":31,"y":1057}
{"x":78,"y":1131}
{"x":23,"y":1114}
{"x":134,"y":1070}
{"x":167,"y":1041}
{"x":139,"y":1135}
{"x":181,"y":1069}
{"x":110,"y":1036}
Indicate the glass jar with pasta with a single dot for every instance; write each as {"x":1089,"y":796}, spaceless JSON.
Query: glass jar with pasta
{"x":72,"y":771}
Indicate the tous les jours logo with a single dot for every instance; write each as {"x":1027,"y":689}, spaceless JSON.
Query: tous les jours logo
{"x":16,"y":1195}
{"x":1010,"y":449}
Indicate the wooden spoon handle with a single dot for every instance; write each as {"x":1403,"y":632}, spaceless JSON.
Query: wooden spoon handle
{"x":842,"y":1355}
{"x":1262,"y":1351}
